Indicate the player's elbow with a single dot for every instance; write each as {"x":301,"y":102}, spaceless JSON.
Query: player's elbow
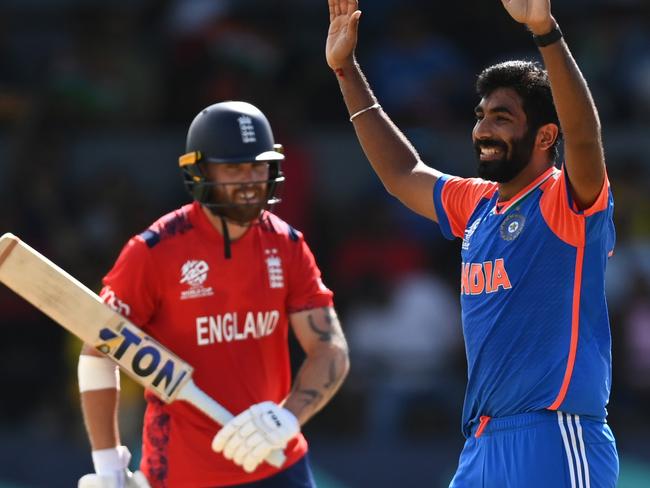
{"x":337,"y":358}
{"x":398,"y":186}
{"x":344,"y":358}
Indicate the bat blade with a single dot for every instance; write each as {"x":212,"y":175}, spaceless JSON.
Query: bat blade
{"x":70,"y":303}
{"x":78,"y":309}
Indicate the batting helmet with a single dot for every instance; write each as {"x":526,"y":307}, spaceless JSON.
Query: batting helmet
{"x":226,"y":133}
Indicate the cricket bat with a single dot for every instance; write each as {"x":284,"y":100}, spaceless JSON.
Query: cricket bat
{"x":75,"y":307}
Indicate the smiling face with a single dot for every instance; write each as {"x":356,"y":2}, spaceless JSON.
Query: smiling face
{"x":241,"y":188}
{"x":502,"y":140}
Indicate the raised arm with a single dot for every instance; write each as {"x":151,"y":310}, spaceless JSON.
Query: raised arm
{"x":584,"y":157}
{"x":391,"y":155}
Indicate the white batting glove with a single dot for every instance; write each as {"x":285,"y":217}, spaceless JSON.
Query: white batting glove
{"x":129,"y":480}
{"x":111,"y":471}
{"x":250,"y":437}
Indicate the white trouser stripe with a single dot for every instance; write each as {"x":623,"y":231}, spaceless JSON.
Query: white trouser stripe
{"x":567,"y":449}
{"x":583,"y":454}
{"x":574,"y":445}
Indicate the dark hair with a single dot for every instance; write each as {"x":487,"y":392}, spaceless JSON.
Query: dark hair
{"x":530,"y":80}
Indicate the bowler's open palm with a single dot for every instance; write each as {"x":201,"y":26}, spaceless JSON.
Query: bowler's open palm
{"x":342,"y":34}
{"x":530,"y":12}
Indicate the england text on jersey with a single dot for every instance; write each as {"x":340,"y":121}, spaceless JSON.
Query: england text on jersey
{"x":227,"y":328}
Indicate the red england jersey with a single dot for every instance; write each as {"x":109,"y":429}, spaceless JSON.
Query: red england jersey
{"x":228,"y":318}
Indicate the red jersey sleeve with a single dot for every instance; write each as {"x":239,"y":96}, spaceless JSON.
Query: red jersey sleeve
{"x":455,"y":199}
{"x":306,"y":287}
{"x":130,"y":288}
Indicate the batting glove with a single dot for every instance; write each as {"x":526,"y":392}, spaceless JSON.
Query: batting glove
{"x":251,"y":436}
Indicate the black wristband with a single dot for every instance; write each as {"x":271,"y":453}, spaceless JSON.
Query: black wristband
{"x":549,"y":38}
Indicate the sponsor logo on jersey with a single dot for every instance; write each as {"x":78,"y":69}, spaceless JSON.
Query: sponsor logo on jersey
{"x":247,"y":129}
{"x":469,"y":232}
{"x":194,"y":273}
{"x":229,"y":327}
{"x":274,"y":267}
{"x":110,"y":298}
{"x":486,"y":277}
{"x":512,"y":226}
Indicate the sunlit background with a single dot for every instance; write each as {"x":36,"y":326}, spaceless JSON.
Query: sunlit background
{"x":95,"y":99}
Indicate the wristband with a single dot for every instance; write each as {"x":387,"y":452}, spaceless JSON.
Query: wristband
{"x":107,"y":461}
{"x":549,"y":38}
{"x":364,"y":110}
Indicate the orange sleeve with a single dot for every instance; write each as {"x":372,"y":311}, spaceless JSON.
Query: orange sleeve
{"x":456,"y":198}
{"x":559,"y":211}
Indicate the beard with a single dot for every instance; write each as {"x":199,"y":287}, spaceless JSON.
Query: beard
{"x":239,"y":212}
{"x":511,"y":164}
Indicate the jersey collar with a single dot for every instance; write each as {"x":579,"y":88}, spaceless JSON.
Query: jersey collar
{"x":504,"y":206}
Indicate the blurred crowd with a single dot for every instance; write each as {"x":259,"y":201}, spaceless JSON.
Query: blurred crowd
{"x":95,"y":99}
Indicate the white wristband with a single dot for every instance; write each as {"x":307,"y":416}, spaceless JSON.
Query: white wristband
{"x":97,"y":373}
{"x":107,"y":461}
{"x":364,"y":110}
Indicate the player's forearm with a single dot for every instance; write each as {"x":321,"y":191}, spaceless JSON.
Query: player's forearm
{"x":391,"y":155}
{"x":584,"y":156}
{"x":99,"y":409}
{"x":573,"y":101}
{"x":318,"y":379}
{"x":99,"y":393}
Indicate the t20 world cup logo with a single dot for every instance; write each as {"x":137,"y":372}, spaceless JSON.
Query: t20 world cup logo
{"x":194,"y":273}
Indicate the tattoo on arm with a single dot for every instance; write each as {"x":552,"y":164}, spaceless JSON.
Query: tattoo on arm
{"x":308,"y":396}
{"x":326,"y":364}
{"x":325,"y":335}
{"x":332,"y":377}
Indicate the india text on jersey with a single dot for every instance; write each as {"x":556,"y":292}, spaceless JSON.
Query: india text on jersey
{"x":485,"y":277}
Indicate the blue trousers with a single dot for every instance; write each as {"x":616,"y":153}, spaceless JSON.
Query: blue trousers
{"x":298,"y":475}
{"x":539,"y":450}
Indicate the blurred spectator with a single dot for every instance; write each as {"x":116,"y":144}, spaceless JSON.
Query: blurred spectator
{"x":420,"y":76}
{"x":405,"y":349}
{"x":637,"y":338}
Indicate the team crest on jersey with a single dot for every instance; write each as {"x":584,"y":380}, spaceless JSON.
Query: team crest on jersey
{"x":247,"y":129}
{"x":193,"y":274}
{"x":469,"y":232}
{"x":512,"y":226}
{"x":274,"y":268}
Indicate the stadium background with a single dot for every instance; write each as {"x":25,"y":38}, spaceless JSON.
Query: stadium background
{"x":95,"y":99}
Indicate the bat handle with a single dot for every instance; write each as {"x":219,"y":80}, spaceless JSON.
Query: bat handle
{"x":197,"y":397}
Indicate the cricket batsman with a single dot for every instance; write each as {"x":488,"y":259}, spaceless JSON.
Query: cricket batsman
{"x":219,"y":282}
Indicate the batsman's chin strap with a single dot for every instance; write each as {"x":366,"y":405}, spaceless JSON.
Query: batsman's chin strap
{"x":226,"y":239}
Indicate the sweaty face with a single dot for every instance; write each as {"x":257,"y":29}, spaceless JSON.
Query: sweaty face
{"x":241,"y":189}
{"x":502,"y":140}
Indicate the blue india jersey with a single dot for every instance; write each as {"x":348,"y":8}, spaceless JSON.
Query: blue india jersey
{"x":533,"y":303}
